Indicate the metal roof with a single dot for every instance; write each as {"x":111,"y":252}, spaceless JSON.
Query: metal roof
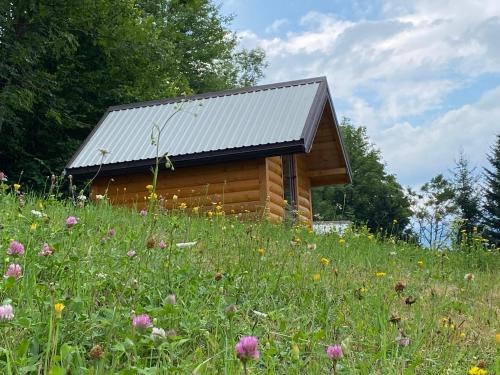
{"x":274,"y":119}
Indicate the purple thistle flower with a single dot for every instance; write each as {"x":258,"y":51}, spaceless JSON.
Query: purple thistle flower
{"x":6,"y":312}
{"x":15,"y":248}
{"x":142,"y":321}
{"x":46,"y":250}
{"x":162,"y":244}
{"x":334,"y":352}
{"x":171,"y":299}
{"x":247,"y":348}
{"x":15,"y":271}
{"x":131,"y":253}
{"x":143,"y":212}
{"x":71,"y":221}
{"x":111,"y":232}
{"x":3,"y":177}
{"x":403,"y":341}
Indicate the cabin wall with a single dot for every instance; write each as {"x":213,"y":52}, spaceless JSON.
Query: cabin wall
{"x":303,"y":188}
{"x":274,"y":188}
{"x":236,"y":186}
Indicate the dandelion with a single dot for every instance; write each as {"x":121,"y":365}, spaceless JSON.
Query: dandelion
{"x":46,"y":250}
{"x":131,"y":253}
{"x":469,"y":277}
{"x":325,"y":261}
{"x":370,"y":236}
{"x":33,"y":226}
{"x":317,"y":277}
{"x":15,"y":248}
{"x":141,"y":321}
{"x":149,"y":187}
{"x":183,"y":206}
{"x":420,"y":263}
{"x":71,"y":221}
{"x":195,"y":210}
{"x":58,"y":308}
{"x":261,"y":251}
{"x":162,"y":244}
{"x":247,"y":348}
{"x":158,"y":333}
{"x":341,"y":241}
{"x":171,"y":299}
{"x":15,"y":271}
{"x":174,"y":197}
{"x":6,"y":312}
{"x":143,"y":212}
{"x":497,"y":338}
{"x":380,"y":274}
{"x":477,"y":371}
{"x":17,"y":187}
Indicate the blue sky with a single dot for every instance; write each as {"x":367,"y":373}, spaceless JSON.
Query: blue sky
{"x":422,"y":76}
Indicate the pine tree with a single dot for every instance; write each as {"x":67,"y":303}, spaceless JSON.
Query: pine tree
{"x":492,"y":196}
{"x":466,"y":195}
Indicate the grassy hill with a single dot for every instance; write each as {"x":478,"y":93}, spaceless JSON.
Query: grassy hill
{"x":295,"y":291}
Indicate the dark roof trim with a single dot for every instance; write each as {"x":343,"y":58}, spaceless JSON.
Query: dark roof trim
{"x":215,"y":94}
{"x":209,"y":157}
{"x":314,"y":116}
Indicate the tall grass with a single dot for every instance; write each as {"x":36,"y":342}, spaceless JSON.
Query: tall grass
{"x":241,"y":278}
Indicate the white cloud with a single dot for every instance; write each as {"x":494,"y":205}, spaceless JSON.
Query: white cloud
{"x":276,"y":25}
{"x":386,"y":71}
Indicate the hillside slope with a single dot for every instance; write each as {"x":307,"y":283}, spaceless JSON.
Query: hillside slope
{"x":75,"y":298}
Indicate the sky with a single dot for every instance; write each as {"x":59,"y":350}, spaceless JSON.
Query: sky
{"x":422,"y":76}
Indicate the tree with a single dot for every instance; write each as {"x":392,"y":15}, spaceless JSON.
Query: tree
{"x":491,"y":218}
{"x":374,"y":198}
{"x":466,"y":197}
{"x":62,"y":63}
{"x":434,"y":210}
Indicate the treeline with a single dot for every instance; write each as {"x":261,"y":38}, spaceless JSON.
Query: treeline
{"x":463,"y":209}
{"x":62,"y":63}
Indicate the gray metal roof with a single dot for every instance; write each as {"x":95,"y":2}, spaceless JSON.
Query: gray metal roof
{"x":269,"y":115}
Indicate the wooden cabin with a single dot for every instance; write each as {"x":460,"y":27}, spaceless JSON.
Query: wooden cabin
{"x":256,"y":150}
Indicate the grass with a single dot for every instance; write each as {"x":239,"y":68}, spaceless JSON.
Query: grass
{"x":220,"y":283}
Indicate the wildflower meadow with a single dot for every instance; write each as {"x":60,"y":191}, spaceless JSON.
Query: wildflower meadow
{"x":95,"y":289}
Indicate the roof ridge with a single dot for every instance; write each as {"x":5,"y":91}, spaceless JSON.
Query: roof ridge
{"x":214,"y":94}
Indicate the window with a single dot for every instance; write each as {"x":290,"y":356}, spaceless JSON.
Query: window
{"x":289,"y":181}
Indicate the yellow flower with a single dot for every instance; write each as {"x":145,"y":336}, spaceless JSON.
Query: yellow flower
{"x":316,"y":277}
{"x":497,"y":338}
{"x":341,"y":241}
{"x":477,"y":371}
{"x":58,"y":308}
{"x":380,"y":274}
{"x":210,"y":213}
{"x":363,"y":290}
{"x":420,"y":263}
{"x":17,"y":187}
{"x":182,"y":205}
{"x":196,"y":209}
{"x":174,"y":197}
{"x":153,"y":196}
{"x":149,"y":187}
{"x":218,"y":207}
{"x":261,"y":251}
{"x":474,"y":229}
{"x":370,"y":236}
{"x":33,"y":226}
{"x":325,"y":261}
{"x":463,"y":231}
{"x":394,"y":221}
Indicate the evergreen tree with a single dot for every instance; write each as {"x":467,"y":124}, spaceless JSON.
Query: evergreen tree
{"x":492,"y":196}
{"x":374,"y":198}
{"x":466,"y":196}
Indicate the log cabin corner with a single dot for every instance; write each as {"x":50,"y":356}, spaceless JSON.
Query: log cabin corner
{"x":257,"y":150}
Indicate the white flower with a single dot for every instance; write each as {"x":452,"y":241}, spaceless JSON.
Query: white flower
{"x":158,"y":333}
{"x":183,"y":245}
{"x":259,"y":314}
{"x":393,"y":253}
{"x":104,"y":151}
{"x":99,"y":197}
{"x":82,"y":198}
{"x":37,"y":213}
